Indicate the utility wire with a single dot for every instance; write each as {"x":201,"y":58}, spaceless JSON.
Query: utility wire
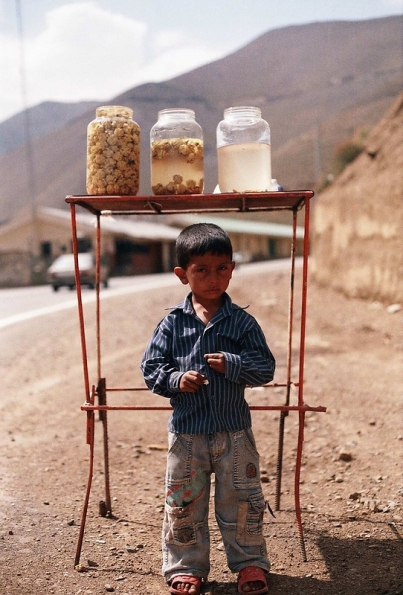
{"x":29,"y":157}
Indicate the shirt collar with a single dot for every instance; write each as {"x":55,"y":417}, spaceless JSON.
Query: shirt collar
{"x":187,"y":306}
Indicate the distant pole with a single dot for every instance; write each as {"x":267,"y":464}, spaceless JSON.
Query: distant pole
{"x":30,"y":169}
{"x":317,"y":165}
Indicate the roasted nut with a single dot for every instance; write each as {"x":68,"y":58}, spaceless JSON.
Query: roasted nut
{"x":186,"y":151}
{"x":113,"y":156}
{"x":192,"y":148}
{"x":177,"y":188}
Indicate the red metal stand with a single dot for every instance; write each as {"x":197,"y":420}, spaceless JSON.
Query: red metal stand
{"x":202,"y":203}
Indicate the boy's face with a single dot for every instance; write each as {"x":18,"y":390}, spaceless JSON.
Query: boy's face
{"x":208,"y":275}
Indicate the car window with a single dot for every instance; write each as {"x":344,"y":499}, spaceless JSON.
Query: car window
{"x":85,"y":260}
{"x":65,"y":262}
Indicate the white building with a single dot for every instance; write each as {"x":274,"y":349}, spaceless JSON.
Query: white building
{"x":133,"y":245}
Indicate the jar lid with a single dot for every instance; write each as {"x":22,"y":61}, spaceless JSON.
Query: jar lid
{"x":245,"y":111}
{"x":177,"y":112}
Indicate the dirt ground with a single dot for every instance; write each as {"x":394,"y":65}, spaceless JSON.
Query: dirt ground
{"x":351,"y":480}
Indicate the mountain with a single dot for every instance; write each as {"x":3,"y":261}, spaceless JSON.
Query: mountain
{"x":41,"y":119}
{"x":315,"y":84}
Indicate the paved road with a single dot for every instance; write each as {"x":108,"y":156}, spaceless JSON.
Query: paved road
{"x":23,"y":303}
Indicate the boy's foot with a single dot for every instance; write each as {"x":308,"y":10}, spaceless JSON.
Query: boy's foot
{"x":252,"y":579}
{"x":185,"y":585}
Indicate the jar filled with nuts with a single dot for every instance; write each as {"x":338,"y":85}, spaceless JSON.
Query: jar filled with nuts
{"x":177,"y":153}
{"x":113,"y":152}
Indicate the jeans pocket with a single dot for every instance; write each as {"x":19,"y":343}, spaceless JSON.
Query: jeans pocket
{"x":179,"y":525}
{"x":180,"y":445}
{"x":250,"y":520}
{"x":246,"y":461}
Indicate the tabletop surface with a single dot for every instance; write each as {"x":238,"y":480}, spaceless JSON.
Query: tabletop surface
{"x":192,"y":203}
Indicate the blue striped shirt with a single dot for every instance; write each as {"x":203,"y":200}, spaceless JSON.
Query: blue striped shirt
{"x":179,"y":343}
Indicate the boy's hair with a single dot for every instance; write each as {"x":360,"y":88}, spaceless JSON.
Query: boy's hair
{"x":200,"y":238}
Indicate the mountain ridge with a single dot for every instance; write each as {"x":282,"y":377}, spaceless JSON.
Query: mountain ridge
{"x":315,"y":84}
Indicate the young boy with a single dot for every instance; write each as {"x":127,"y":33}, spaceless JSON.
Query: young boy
{"x":201,"y":356}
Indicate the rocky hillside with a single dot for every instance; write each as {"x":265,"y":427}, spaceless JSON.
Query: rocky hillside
{"x":358,"y":220}
{"x":42,"y":119}
{"x":316,"y":84}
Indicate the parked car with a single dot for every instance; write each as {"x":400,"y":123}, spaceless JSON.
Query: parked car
{"x":61,"y":271}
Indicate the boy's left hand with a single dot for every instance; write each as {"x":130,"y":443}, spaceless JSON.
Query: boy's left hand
{"x":216,"y":361}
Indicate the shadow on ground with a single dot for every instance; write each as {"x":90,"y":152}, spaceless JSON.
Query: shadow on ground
{"x":356,"y":566}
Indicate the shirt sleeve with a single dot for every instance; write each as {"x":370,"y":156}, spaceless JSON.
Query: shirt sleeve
{"x":159,"y":373}
{"x":254,"y":365}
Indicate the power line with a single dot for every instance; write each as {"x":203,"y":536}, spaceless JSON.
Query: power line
{"x":28,"y":148}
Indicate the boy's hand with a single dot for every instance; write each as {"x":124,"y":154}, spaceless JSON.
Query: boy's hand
{"x":216,"y":361}
{"x":191,"y":381}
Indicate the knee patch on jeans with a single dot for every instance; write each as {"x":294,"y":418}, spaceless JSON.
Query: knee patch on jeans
{"x":250,"y":520}
{"x":187,"y":490}
{"x":179,"y":522}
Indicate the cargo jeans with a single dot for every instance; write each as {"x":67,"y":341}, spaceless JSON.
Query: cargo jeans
{"x":238,"y":498}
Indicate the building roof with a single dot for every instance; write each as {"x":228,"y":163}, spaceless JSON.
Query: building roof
{"x":131,"y":228}
{"x":244,"y":226}
{"x":146,"y":230}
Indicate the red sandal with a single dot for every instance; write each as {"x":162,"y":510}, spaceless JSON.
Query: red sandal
{"x":251,"y":574}
{"x":184,"y":578}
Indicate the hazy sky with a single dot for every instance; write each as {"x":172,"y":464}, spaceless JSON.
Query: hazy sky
{"x":94,"y":50}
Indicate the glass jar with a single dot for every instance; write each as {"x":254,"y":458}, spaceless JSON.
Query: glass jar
{"x":243,"y":151}
{"x":177,"y":153}
{"x":113,"y":152}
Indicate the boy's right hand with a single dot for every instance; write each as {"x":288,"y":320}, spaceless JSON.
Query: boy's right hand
{"x":191,"y":381}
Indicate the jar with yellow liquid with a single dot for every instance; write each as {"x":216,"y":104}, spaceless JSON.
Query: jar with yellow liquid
{"x":243,"y":151}
{"x":177,"y":153}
